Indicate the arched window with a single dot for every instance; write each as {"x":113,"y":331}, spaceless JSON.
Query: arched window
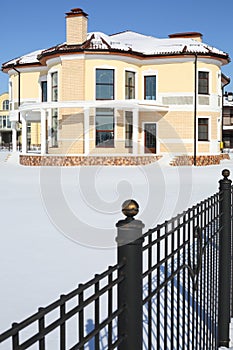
{"x":5,"y":105}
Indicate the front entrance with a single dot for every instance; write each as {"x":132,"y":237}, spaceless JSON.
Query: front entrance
{"x":149,"y":138}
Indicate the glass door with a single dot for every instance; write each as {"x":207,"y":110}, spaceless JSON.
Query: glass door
{"x":150,"y":138}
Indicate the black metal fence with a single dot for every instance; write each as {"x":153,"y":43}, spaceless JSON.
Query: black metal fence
{"x":170,"y":289}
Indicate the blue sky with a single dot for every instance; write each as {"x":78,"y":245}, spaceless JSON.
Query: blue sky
{"x":26,"y":26}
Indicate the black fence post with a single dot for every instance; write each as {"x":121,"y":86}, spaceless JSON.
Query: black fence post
{"x":129,"y":239}
{"x":224,"y":260}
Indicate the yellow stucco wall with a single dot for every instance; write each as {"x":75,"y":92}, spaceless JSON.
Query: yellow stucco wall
{"x":175,"y":77}
{"x":76,"y":81}
{"x":29,"y":85}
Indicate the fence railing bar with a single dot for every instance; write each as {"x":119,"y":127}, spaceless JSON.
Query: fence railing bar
{"x":166,"y":286}
{"x":92,"y":298}
{"x":110,"y":310}
{"x":178,"y":284}
{"x":15,"y":337}
{"x":41,"y":322}
{"x":162,"y":261}
{"x":204,"y":218}
{"x":81,"y":318}
{"x":66,"y":297}
{"x":97,"y":314}
{"x":150,"y":256}
{"x":184,"y":323}
{"x":191,"y":209}
{"x":67,"y":316}
{"x":172,"y":288}
{"x":208,"y":271}
{"x":63,"y":326}
{"x":95,"y":331}
{"x":158,"y":297}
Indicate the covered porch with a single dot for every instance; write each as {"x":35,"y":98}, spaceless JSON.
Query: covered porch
{"x":95,"y":128}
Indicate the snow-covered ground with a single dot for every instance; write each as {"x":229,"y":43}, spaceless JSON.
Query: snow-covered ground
{"x":58,"y":224}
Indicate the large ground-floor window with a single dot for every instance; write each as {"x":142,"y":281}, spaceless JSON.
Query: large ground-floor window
{"x":128,"y":129}
{"x":5,"y":122}
{"x":228,"y":138}
{"x":54,"y":129}
{"x":104,"y":123}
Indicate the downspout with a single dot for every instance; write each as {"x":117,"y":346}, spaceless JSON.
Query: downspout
{"x":223,"y":86}
{"x":19,"y":92}
{"x":195,"y":113}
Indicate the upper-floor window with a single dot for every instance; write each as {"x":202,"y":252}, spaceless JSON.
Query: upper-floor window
{"x":129,"y":85}
{"x":203,"y":83}
{"x":203,"y":129}
{"x":5,"y":105}
{"x":104,"y":84}
{"x":150,"y":87}
{"x":54,"y":86}
{"x":44,"y":91}
{"x":104,"y":121}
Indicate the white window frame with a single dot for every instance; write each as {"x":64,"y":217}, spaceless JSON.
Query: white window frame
{"x":115,"y":80}
{"x":42,"y":79}
{"x":115,"y":127}
{"x":143,"y":136}
{"x":129,"y":147}
{"x":133,"y":70}
{"x":148,"y":73}
{"x":209,"y":128}
{"x":210,"y":80}
{"x":49,"y":84}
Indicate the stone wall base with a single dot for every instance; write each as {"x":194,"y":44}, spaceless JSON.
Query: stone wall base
{"x":201,"y":160}
{"x":38,"y":160}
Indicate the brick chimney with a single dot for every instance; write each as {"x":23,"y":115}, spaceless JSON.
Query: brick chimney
{"x":191,"y":35}
{"x":76,"y":26}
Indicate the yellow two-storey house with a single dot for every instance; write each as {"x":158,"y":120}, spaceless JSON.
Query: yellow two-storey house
{"x":117,"y":99}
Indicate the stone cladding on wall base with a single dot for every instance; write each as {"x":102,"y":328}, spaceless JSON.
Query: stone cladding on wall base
{"x":202,"y":160}
{"x":38,"y":160}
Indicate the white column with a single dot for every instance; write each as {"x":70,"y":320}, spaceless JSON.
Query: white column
{"x":86,"y":130}
{"x":43,"y":139}
{"x":135,"y":131}
{"x":14,"y":136}
{"x":49,"y":118}
{"x":24,"y":134}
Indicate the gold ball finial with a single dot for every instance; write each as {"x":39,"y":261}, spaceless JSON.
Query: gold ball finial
{"x":225,"y":173}
{"x":130,"y":208}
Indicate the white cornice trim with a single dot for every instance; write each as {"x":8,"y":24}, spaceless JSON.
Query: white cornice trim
{"x":118,"y":104}
{"x":145,"y":60}
{"x":53,"y":61}
{"x":72,"y":57}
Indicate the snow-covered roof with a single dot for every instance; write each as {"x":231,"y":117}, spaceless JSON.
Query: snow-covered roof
{"x":149,"y":45}
{"x":31,"y":57}
{"x":127,"y":41}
